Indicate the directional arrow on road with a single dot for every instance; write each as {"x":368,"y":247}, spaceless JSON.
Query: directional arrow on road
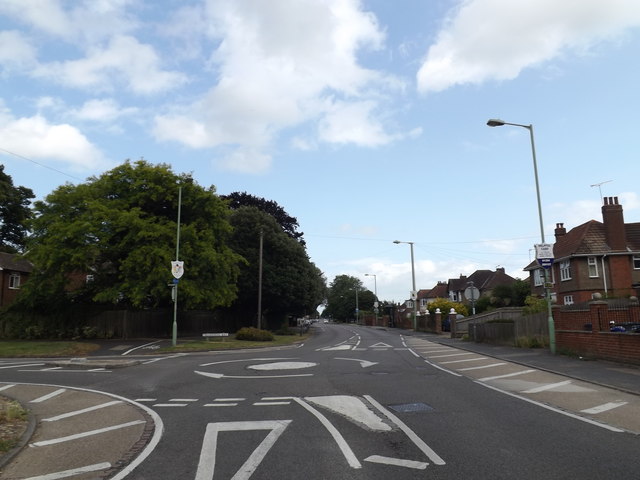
{"x":363,"y":363}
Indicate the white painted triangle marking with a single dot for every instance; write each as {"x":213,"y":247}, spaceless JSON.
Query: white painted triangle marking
{"x":380,"y":345}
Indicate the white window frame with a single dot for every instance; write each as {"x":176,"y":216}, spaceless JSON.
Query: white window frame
{"x":568,"y":299}
{"x":565,"y":270}
{"x":89,"y":278}
{"x":592,"y":263}
{"x":636,"y":262}
{"x":14,"y":281}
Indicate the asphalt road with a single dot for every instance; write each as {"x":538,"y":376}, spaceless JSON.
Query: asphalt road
{"x":360,"y":403}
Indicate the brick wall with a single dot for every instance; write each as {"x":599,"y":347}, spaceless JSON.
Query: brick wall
{"x":572,"y":333}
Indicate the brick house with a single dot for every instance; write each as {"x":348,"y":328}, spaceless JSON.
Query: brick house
{"x":595,"y":257}
{"x":14,"y":271}
{"x":484,"y":280}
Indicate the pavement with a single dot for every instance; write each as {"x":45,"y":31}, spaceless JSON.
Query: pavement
{"x":142,"y":427}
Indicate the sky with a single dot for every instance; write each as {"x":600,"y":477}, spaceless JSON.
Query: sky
{"x":365,"y":120}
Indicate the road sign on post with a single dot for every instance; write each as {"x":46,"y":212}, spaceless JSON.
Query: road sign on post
{"x":544,"y":254}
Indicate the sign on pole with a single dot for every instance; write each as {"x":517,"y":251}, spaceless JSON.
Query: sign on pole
{"x":544,"y":254}
{"x":177,"y":268}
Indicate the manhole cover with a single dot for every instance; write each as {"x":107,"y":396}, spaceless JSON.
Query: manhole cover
{"x":411,"y":407}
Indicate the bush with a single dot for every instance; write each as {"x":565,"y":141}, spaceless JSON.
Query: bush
{"x":253,"y":334}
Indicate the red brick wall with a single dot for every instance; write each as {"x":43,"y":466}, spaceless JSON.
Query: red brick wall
{"x":600,"y":342}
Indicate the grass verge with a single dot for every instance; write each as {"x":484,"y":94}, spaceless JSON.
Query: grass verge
{"x":231,"y":343}
{"x":38,"y":348}
{"x":13,"y":423}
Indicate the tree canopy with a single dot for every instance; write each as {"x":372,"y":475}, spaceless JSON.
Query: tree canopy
{"x":120,"y":228}
{"x":341,"y":298}
{"x":288,"y":223}
{"x":291,"y":284}
{"x":14,"y":214}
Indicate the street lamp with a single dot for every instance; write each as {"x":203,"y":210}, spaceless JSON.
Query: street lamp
{"x":414,"y":293}
{"x":375,"y":292}
{"x":494,"y":122}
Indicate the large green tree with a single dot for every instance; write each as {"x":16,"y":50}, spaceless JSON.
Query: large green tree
{"x":341,"y":298}
{"x":120,"y":228}
{"x":291,"y":284}
{"x":14,"y":214}
{"x":288,"y":223}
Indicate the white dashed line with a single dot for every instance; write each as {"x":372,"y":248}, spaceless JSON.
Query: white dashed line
{"x":604,"y":407}
{"x":549,"y":386}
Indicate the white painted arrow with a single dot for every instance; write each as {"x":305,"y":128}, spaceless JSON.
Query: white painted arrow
{"x":363,"y":363}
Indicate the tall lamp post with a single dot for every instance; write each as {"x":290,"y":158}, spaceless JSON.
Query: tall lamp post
{"x":414,"y":292}
{"x":375,"y":292}
{"x":499,"y":123}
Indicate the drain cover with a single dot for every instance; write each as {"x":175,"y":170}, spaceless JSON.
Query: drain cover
{"x":411,"y":407}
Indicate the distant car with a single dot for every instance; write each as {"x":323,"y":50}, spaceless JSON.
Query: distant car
{"x":326,"y":321}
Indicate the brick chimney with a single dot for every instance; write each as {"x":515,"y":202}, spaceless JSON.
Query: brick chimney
{"x":613,"y":221}
{"x":560,"y":230}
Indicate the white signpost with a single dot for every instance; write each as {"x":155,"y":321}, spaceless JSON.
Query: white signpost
{"x":544,"y":254}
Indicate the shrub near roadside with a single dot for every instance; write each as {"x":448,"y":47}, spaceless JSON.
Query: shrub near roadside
{"x":253,"y":334}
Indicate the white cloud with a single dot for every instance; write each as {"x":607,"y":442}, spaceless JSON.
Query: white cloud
{"x":16,"y":52}
{"x":124,"y":60}
{"x":353,"y":122}
{"x":281,"y":64}
{"x":86,"y":21}
{"x":101,"y":110}
{"x":34,"y":137}
{"x":495,"y":40}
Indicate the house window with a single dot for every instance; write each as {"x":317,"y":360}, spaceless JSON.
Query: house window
{"x":538,"y":277}
{"x":409,"y":304}
{"x":568,"y":299}
{"x":565,"y":270}
{"x":89,"y":278}
{"x":636,"y":262}
{"x":14,"y":280}
{"x":593,"y":267}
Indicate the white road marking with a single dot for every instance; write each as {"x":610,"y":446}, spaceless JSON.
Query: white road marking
{"x":229,"y":399}
{"x":435,"y":365}
{"x":73,"y":472}
{"x":141,"y":346}
{"x":282,"y":366}
{"x":351,"y":458}
{"x":244,"y":360}
{"x":24,"y":365}
{"x":169,"y":404}
{"x":452,"y":355}
{"x":253,"y":377}
{"x":7,"y":387}
{"x":183,"y":400}
{"x":352,"y":408}
{"x":604,"y":407}
{"x":337,"y":347}
{"x":380,"y":345}
{"x":207,"y":461}
{"x":363,"y":363}
{"x":506,"y":375}
{"x":397,"y":462}
{"x":414,"y":353}
{"x":463,"y":361}
{"x":220,"y":404}
{"x":433,"y":456}
{"x":85,"y":434}
{"x":269,"y":404}
{"x":491,"y":365}
{"x":549,"y":386}
{"x":553,"y":409}
{"x":51,"y":368}
{"x":145,"y":399}
{"x":80,"y":412}
{"x":48,"y":396}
